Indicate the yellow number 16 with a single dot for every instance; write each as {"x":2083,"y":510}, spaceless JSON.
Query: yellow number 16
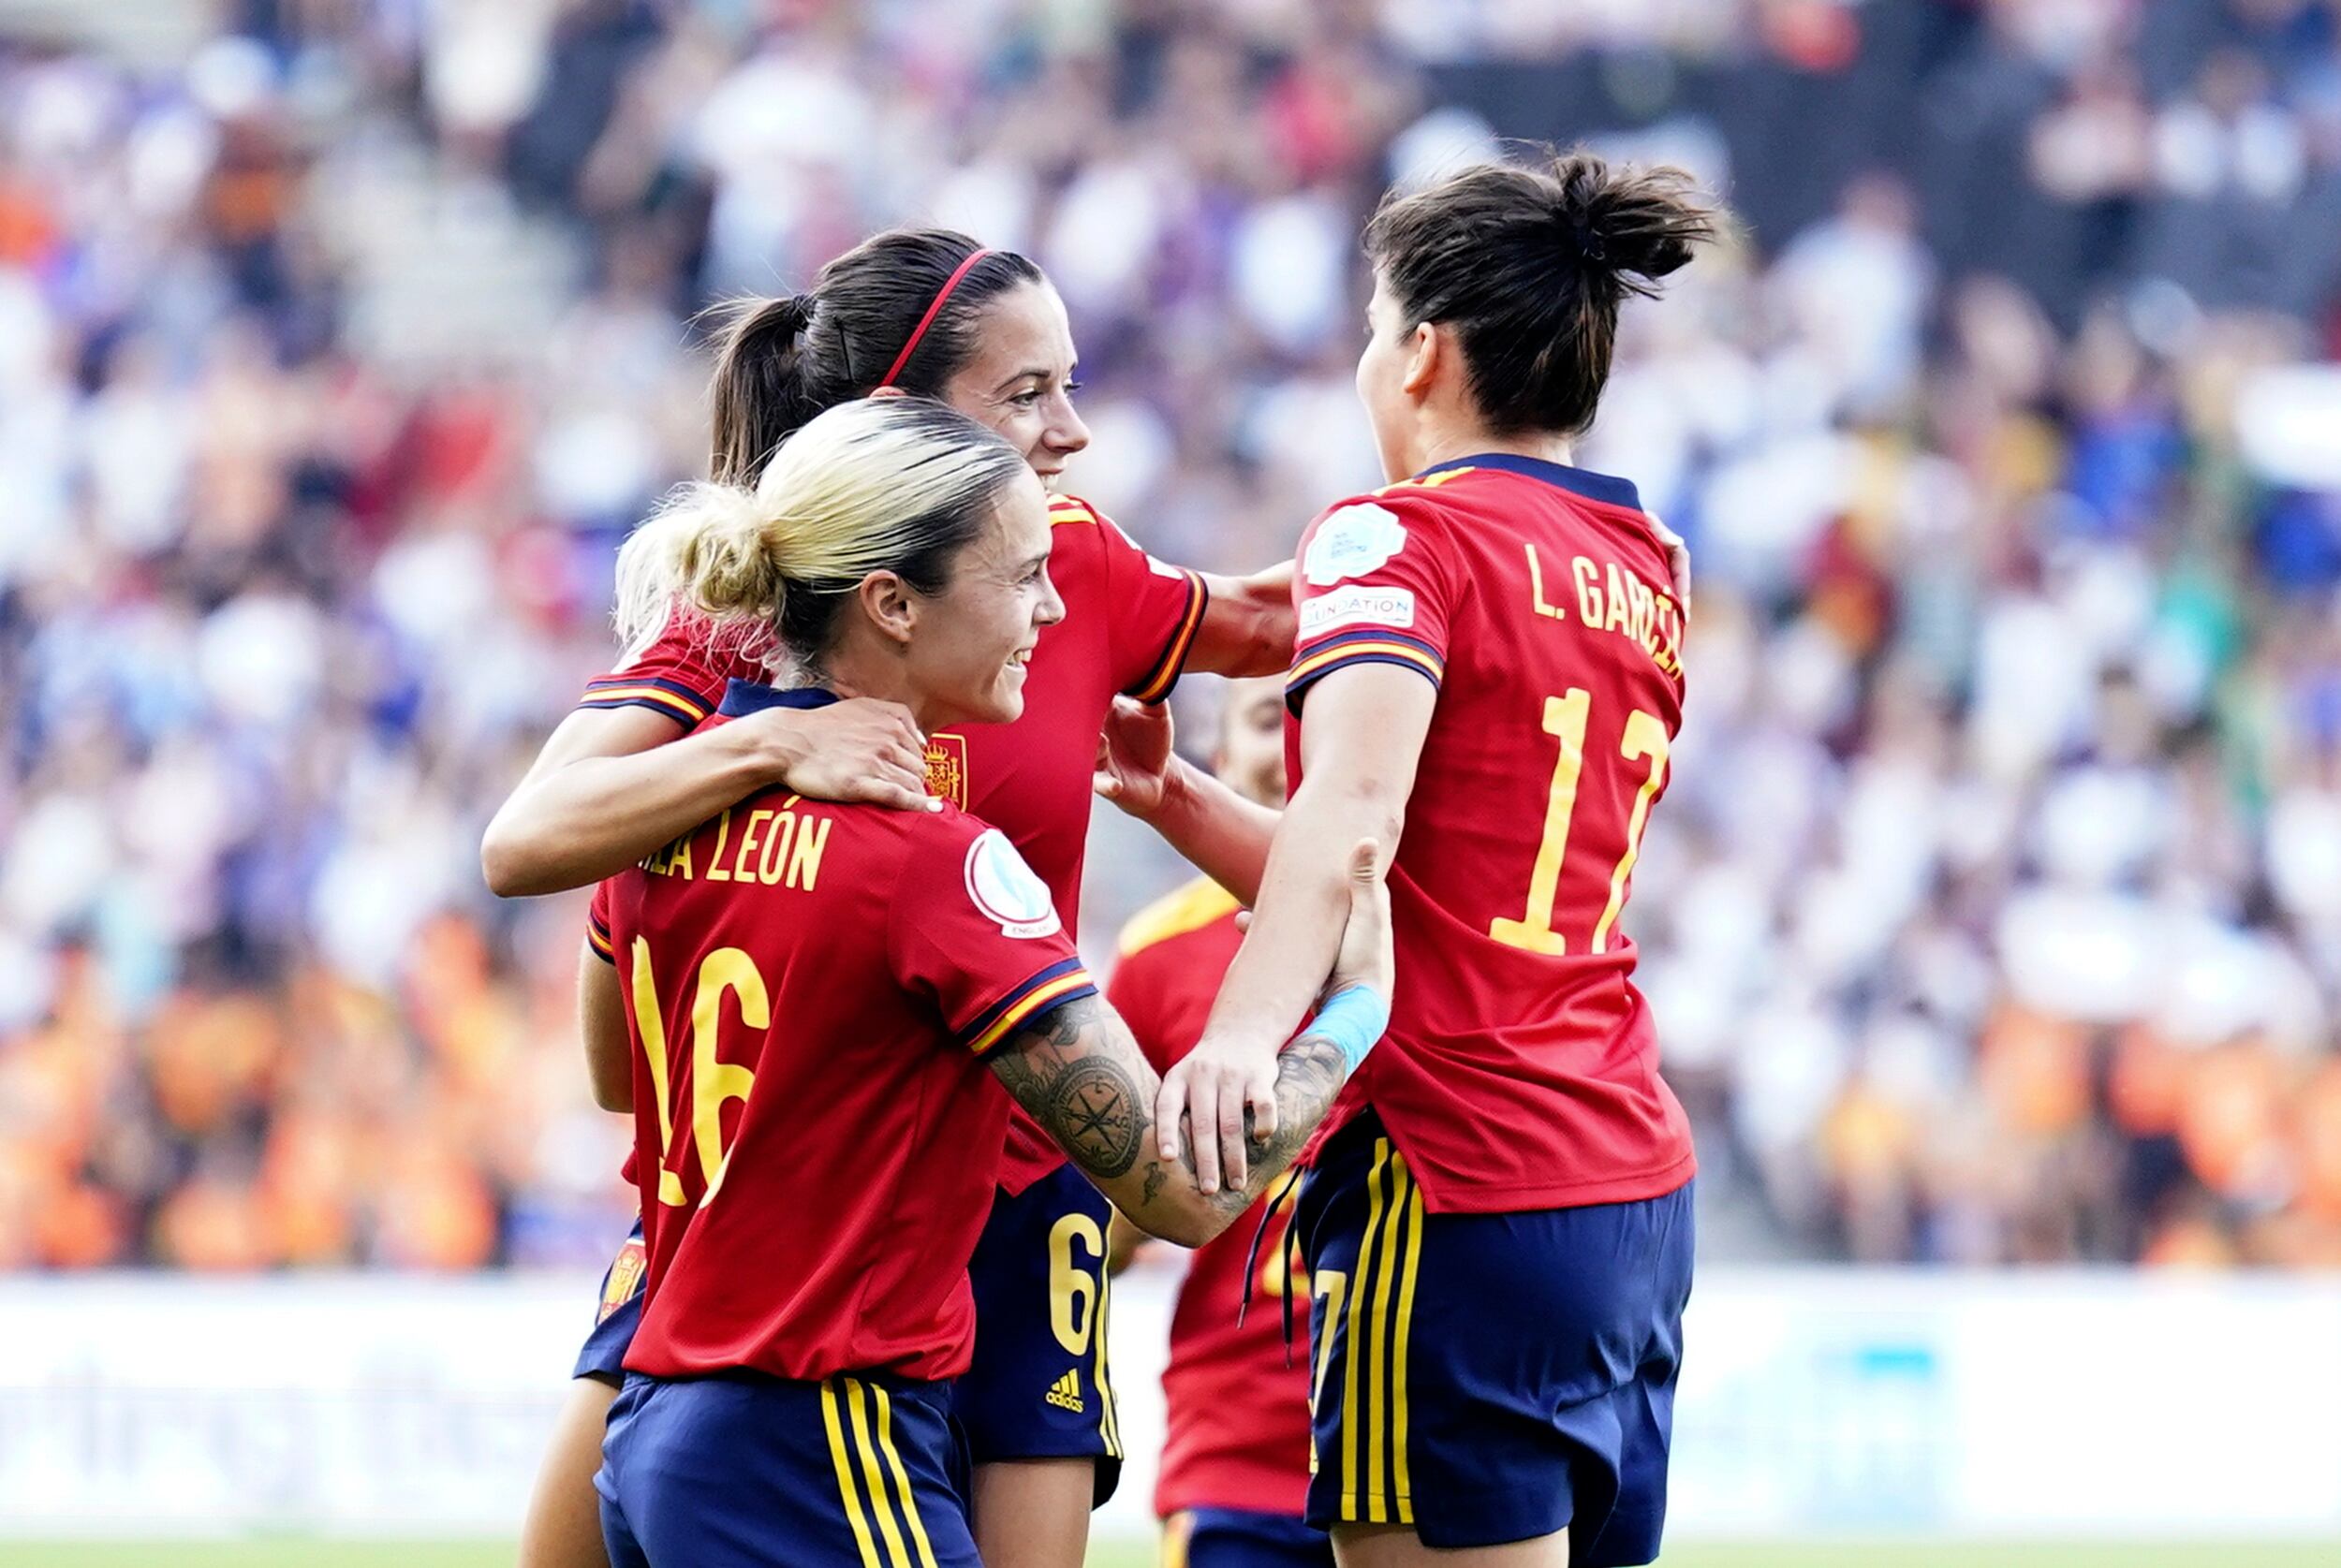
{"x":713,"y":1082}
{"x":1565,"y":719}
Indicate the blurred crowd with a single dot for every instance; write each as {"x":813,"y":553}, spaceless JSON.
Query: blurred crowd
{"x":1994,"y":912}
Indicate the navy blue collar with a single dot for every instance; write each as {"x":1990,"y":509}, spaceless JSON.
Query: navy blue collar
{"x":749,"y":696}
{"x":1604,"y":487}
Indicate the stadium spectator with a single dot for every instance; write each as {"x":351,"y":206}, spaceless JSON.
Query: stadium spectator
{"x":1994,"y":915}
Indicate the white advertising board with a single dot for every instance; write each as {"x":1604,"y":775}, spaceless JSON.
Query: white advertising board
{"x":1813,"y":1402}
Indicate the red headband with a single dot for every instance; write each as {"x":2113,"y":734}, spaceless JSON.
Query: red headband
{"x":928,"y":320}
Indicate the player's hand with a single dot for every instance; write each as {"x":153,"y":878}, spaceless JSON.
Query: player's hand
{"x":1678,"y":562}
{"x":861,"y":749}
{"x":1366,"y":958}
{"x":1135,"y":756}
{"x":1203,"y":1100}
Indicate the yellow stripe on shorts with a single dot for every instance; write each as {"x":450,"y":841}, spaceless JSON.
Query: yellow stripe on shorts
{"x":1403,"y":1483}
{"x":902,"y":1479}
{"x":1361,"y":1288}
{"x":854,"y":1514}
{"x":879,"y":1503}
{"x":1380,"y":1331}
{"x":1176,"y":1532}
{"x":1109,"y":1417}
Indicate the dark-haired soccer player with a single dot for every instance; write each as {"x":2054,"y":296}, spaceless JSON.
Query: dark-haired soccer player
{"x":930,"y":313}
{"x":1498,"y":1232}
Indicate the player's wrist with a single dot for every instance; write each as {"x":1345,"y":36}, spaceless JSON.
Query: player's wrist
{"x":1176,"y":798}
{"x":779,"y":746}
{"x":1354,"y":1019}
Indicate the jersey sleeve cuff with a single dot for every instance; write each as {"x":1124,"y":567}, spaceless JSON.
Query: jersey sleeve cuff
{"x":1167,"y":668}
{"x":1367,"y":646}
{"x":598,"y":938}
{"x":672,"y":698}
{"x":1064,"y":981}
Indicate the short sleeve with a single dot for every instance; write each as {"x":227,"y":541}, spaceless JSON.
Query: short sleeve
{"x":597,"y":925}
{"x":683,"y":671}
{"x":1156,"y":607}
{"x":1372,"y":585}
{"x":973,"y":928}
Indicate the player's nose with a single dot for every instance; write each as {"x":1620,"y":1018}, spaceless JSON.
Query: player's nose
{"x":1067,"y":433}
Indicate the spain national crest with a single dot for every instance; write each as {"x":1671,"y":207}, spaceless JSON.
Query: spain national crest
{"x":625,"y":1277}
{"x":947,"y":769}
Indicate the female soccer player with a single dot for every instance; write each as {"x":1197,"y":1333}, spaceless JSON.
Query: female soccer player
{"x":1498,"y":1232}
{"x":930,"y":313}
{"x":1235,"y":1457}
{"x":814,"y":993}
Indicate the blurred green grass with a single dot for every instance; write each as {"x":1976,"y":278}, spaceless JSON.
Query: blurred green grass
{"x":473,"y":1554}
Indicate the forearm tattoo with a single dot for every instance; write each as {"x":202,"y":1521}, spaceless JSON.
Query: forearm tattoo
{"x":1068,"y":1080}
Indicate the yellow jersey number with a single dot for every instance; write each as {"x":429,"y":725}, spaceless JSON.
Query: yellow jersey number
{"x":713,"y":1082}
{"x":1073,"y":1291}
{"x":1645,"y":741}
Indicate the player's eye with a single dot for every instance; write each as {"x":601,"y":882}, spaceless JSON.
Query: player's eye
{"x":1072,"y":386}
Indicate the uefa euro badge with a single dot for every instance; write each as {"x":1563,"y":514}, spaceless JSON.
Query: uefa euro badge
{"x":1006,"y":891}
{"x":947,"y":769}
{"x":1352,"y":542}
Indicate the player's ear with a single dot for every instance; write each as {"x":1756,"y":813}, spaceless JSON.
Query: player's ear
{"x":1430,"y":347}
{"x":888,"y":604}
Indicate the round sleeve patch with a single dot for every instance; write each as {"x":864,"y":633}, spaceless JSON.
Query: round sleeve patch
{"x":1352,"y":542}
{"x":1007,"y":891}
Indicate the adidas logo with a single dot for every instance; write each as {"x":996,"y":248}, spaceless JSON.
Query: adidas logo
{"x":1065,"y":1393}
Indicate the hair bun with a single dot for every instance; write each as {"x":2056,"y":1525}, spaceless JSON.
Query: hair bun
{"x":1629,"y":224}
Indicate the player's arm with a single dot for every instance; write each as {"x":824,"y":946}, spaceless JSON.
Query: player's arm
{"x":1078,"y":1072}
{"x":602,"y":1020}
{"x":1222,"y":834}
{"x":1123,"y":1242}
{"x":612,"y":784}
{"x":1247,"y":625}
{"x":1360,"y":739}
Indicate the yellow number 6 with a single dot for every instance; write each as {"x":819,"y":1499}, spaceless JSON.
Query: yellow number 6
{"x":1072,"y":1289}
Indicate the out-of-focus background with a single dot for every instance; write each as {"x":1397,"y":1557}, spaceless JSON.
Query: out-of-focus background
{"x":1993,"y":919}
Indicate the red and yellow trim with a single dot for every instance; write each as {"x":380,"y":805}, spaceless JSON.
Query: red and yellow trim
{"x":1064,"y":509}
{"x":1167,"y":668}
{"x":598,"y":938}
{"x":676,"y":700}
{"x":1061,"y":982}
{"x":1366,"y":646}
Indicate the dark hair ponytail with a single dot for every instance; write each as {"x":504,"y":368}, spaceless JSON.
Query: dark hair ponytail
{"x":783,"y":361}
{"x":1529,"y":264}
{"x":759,"y":384}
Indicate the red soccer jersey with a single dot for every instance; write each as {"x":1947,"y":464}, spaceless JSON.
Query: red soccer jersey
{"x":1129,"y":621}
{"x":1238,"y":1398}
{"x":1521,"y":1070}
{"x":811,"y":990}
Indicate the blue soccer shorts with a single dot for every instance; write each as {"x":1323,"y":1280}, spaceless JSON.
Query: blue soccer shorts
{"x":618,"y":1313}
{"x":751,"y":1472}
{"x":1486,"y":1378}
{"x":1240,"y":1538}
{"x":1039,"y":1387}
